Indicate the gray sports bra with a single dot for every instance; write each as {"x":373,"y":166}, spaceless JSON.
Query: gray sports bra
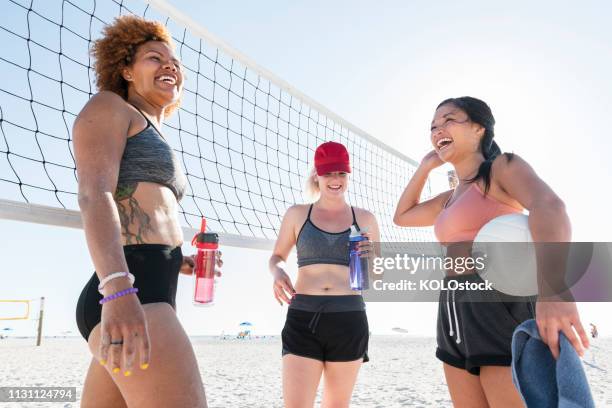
{"x":148,"y":157}
{"x":316,"y":246}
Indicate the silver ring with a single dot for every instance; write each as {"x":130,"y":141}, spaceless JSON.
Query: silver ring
{"x":116,"y":342}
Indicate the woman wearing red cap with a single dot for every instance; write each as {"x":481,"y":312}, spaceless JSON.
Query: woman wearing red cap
{"x":326,"y":330}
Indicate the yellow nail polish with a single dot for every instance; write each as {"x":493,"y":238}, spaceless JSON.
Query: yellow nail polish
{"x":144,"y":366}
{"x":103,"y":362}
{"x":116,"y":370}
{"x":127,"y":373}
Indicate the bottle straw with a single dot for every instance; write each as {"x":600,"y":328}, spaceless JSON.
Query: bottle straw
{"x":202,"y":229}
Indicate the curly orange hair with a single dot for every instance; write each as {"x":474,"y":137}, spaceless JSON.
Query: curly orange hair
{"x":117,"y":48}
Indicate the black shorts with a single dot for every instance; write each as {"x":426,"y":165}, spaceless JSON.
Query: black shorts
{"x":327,"y":328}
{"x":475,"y":328}
{"x":156,"y":268}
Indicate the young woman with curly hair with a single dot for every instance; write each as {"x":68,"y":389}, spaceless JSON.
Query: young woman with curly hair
{"x":130,"y":183}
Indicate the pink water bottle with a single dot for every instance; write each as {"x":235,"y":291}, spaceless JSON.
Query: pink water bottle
{"x":207,"y":244}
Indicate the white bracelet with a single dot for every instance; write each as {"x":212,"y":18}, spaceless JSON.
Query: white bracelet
{"x":115,"y":275}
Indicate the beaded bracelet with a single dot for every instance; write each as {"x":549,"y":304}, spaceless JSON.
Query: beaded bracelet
{"x":114,"y":296}
{"x":112,"y":276}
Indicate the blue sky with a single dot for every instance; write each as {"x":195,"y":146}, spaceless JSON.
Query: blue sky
{"x":543,"y":68}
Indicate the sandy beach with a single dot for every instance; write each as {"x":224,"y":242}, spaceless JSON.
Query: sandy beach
{"x":403,"y":371}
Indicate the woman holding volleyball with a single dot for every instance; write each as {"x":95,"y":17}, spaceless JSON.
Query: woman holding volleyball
{"x":474,"y":338}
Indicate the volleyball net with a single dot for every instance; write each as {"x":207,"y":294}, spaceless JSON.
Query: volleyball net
{"x":19,"y":319}
{"x":245,"y":137}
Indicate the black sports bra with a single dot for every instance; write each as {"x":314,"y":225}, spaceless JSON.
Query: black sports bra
{"x":316,"y":246}
{"x":148,"y":157}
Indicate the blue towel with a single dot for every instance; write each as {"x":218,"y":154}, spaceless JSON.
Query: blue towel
{"x":543,"y":381}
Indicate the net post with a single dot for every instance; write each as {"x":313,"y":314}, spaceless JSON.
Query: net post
{"x":40,"y":321}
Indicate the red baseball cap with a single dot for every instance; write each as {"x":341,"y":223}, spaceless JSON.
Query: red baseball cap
{"x":330,"y":157}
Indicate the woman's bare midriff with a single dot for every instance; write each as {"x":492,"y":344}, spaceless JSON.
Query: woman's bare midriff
{"x":324,"y":279}
{"x":150,"y":216}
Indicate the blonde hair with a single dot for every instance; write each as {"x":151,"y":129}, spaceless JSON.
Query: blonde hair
{"x":311,"y":187}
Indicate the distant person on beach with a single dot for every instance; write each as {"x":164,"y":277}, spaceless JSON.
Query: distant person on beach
{"x":326,"y":331}
{"x":130,"y":183}
{"x":594,"y":332}
{"x":474,"y":338}
{"x":453,"y":181}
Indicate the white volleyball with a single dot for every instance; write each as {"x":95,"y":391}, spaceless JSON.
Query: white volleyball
{"x":506,"y":244}
{"x":506,"y":228}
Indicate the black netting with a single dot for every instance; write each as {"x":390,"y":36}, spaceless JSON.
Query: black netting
{"x":246,"y":144}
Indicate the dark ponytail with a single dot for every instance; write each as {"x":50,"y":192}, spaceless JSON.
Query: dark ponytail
{"x":479,"y":112}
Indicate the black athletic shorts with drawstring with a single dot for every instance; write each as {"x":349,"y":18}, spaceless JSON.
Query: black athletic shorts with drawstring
{"x":326,"y":328}
{"x":475,"y":328}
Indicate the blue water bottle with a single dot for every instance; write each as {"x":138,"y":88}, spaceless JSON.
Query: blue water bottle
{"x":358,"y":266}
